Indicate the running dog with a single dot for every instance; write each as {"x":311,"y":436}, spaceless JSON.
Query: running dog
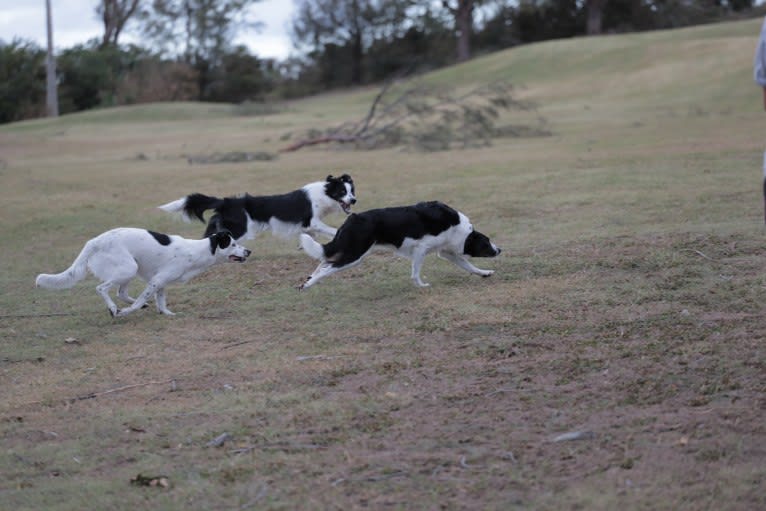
{"x":117,"y":256}
{"x":411,"y":231}
{"x":289,"y":214}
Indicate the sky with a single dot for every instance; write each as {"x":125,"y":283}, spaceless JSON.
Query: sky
{"x":75,"y":21}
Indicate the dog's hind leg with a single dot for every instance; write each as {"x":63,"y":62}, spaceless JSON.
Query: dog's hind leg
{"x":160,"y":299}
{"x":322,"y":271}
{"x":417,"y":263}
{"x":116,"y":268}
{"x":122,"y":293}
{"x":464,"y":264}
{"x":103,"y":290}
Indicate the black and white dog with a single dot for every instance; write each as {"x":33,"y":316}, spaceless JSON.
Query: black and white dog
{"x":288,"y":214}
{"x":411,"y":231}
{"x":117,"y":256}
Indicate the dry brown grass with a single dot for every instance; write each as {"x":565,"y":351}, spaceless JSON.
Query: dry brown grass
{"x":627,"y":304}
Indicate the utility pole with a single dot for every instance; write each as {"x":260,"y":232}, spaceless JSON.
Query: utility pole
{"x":52,"y":99}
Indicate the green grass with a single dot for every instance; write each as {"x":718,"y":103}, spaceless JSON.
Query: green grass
{"x":627,"y":302}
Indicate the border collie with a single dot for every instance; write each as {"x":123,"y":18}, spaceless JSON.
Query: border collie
{"x":411,"y":231}
{"x":286,"y":215}
{"x":117,"y":256}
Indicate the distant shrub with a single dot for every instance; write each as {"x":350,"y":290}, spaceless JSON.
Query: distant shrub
{"x":22,"y":81}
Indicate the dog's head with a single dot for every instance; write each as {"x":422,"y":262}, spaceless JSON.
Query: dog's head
{"x":478,"y":245}
{"x":341,"y":190}
{"x":223,"y":245}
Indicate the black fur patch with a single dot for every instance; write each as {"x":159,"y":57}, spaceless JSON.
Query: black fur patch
{"x":221,"y":239}
{"x":388,"y":226}
{"x":478,"y":245}
{"x":162,"y":239}
{"x":197,"y":204}
{"x":293,"y":207}
{"x":335,"y":187}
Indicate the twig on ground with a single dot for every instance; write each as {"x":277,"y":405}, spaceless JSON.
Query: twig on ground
{"x":234,"y":344}
{"x":701,"y":254}
{"x":94,"y":395}
{"x":261,"y":493}
{"x":371,"y":479}
{"x":48,"y":315}
{"x":497,"y":391}
{"x":219,"y":440}
{"x":303,"y":358}
{"x":287,"y":446}
{"x":575,"y":435}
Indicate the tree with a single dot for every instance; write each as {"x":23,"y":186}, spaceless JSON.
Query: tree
{"x":351,"y":25}
{"x":115,"y":14}
{"x":463,"y":15}
{"x":51,"y":101}
{"x":22,"y":81}
{"x":89,"y":75}
{"x":595,"y":14}
{"x":242,"y":77}
{"x":200,"y":31}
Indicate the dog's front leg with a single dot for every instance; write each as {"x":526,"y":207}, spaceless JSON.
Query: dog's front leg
{"x":417,"y":262}
{"x":463,"y":263}
{"x":317,"y":226}
{"x":151,"y":289}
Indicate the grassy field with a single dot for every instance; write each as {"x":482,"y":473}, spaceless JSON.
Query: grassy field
{"x":626,"y":306}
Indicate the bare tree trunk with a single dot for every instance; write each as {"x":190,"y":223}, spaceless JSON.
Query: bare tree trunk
{"x":115,"y":14}
{"x":51,"y":99}
{"x":357,"y":55}
{"x":465,"y":28}
{"x":595,"y":11}
{"x":463,"y":15}
{"x":357,"y":51}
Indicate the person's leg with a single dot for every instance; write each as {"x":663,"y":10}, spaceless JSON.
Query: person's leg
{"x":764,"y":185}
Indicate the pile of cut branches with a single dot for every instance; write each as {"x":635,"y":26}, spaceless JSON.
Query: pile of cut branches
{"x":424,"y":117}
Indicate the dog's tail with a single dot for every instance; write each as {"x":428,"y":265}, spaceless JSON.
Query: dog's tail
{"x":312,"y":247}
{"x":193,"y":206}
{"x":70,"y":276}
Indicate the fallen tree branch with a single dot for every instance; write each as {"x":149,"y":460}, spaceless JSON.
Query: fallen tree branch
{"x":427,"y":118}
{"x":285,"y":446}
{"x":48,"y":315}
{"x":94,"y":395}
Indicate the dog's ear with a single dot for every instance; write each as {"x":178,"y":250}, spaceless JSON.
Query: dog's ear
{"x":330,"y":178}
{"x":221,"y":239}
{"x":346,"y":178}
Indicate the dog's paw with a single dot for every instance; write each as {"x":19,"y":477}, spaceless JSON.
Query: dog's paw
{"x":112,"y":311}
{"x":167,"y":312}
{"x":487,"y":273}
{"x":306,"y":284}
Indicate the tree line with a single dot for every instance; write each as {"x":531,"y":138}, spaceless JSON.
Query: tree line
{"x":187,"y":50}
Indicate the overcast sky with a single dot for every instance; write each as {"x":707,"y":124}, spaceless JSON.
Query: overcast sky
{"x":75,"y":21}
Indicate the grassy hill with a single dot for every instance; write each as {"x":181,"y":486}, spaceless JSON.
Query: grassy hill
{"x":626,"y":305}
